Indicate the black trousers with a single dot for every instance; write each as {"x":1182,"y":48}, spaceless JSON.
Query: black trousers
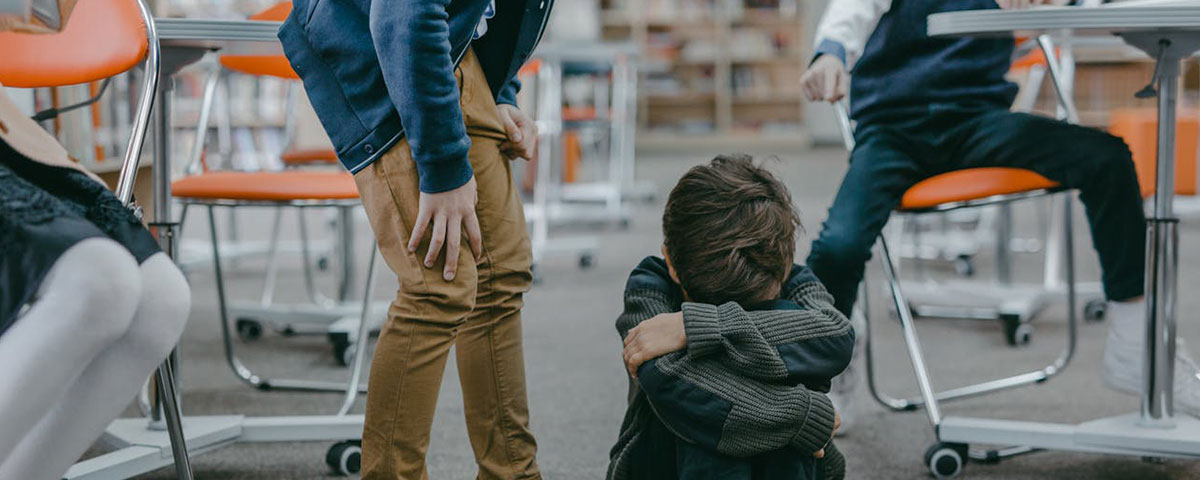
{"x":891,"y":157}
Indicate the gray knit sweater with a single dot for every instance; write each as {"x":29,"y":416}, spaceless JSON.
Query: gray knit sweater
{"x":750,"y":382}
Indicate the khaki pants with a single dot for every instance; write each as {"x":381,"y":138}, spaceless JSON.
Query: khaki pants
{"x":479,"y":312}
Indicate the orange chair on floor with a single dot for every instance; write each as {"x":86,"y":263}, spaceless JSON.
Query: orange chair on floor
{"x":277,"y":66}
{"x":294,"y":188}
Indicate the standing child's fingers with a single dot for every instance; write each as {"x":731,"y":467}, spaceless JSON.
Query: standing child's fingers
{"x":435,"y":243}
{"x":418,"y":230}
{"x":474,"y":234}
{"x":510,"y":127}
{"x":453,"y":239}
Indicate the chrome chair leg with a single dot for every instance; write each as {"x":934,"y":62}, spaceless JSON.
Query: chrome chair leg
{"x":1028,"y":378}
{"x":310,"y":286}
{"x":364,"y":332}
{"x":268,"y":293}
{"x":239,"y":368}
{"x":910,"y":338}
{"x":173,"y":418}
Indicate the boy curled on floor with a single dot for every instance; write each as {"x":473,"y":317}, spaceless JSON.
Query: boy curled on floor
{"x":730,"y":347}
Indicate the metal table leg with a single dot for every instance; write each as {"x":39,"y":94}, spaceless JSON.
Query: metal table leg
{"x":1162,"y":236}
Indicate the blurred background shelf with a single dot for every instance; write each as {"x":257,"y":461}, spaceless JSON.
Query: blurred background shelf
{"x":715,"y":71}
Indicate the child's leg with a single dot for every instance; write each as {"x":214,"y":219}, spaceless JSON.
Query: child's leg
{"x":85,"y":305}
{"x":880,"y":171}
{"x":696,"y":463}
{"x":110,"y":381}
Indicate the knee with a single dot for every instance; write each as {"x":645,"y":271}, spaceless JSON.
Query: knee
{"x":1109,"y":156}
{"x":841,"y":248}
{"x":104,"y":277}
{"x":162,"y":308}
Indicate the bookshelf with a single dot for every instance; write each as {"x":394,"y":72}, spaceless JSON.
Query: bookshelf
{"x":715,"y":71}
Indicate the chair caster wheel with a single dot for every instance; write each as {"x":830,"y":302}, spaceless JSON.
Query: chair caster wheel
{"x":1093,"y":311}
{"x":586,"y":261}
{"x":345,"y":458}
{"x":249,"y":329}
{"x":964,"y":266}
{"x":1016,"y":332}
{"x":946,"y":460}
{"x":345,"y":354}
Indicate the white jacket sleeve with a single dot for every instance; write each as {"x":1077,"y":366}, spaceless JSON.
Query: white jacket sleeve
{"x":846,"y":26}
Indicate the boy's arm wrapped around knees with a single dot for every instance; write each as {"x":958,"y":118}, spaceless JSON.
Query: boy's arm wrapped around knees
{"x":704,"y":402}
{"x":649,"y":291}
{"x":811,"y":344}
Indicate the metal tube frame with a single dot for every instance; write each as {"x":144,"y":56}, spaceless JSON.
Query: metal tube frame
{"x":167,"y":388}
{"x":240,"y":370}
{"x":364,"y":332}
{"x":928,"y":397}
{"x":1028,"y":378}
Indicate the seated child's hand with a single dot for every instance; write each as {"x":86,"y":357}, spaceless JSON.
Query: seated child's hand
{"x":654,"y":338}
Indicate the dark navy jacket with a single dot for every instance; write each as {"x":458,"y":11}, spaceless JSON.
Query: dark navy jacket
{"x":904,"y":73}
{"x":376,"y":70}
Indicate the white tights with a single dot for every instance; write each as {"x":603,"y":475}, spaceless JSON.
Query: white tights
{"x":71,"y":363}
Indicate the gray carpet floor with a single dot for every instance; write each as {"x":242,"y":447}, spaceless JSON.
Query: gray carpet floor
{"x":577,"y":386}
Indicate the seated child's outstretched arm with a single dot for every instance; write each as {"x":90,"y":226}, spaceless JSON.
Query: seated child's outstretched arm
{"x":705,"y":399}
{"x":806,"y":341}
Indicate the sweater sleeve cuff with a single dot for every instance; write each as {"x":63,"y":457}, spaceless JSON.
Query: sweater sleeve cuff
{"x":817,"y":430}
{"x":830,"y":47}
{"x":508,"y":93}
{"x":701,"y":324}
{"x":443,"y":176}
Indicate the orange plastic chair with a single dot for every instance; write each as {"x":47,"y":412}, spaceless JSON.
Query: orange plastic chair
{"x":287,"y":186}
{"x":973,"y":187}
{"x":102,"y":38}
{"x":277,"y":66}
{"x":290,"y":188}
{"x":1139,"y":128}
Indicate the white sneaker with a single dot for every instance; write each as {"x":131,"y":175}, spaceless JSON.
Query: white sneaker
{"x":842,"y":390}
{"x":1123,"y":359}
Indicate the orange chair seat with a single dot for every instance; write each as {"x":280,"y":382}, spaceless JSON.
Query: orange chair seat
{"x":972,"y":184}
{"x":309,"y":157}
{"x":291,"y":185}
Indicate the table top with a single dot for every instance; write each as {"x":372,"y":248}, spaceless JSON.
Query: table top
{"x":240,"y":36}
{"x":586,"y":51}
{"x":1182,"y":17}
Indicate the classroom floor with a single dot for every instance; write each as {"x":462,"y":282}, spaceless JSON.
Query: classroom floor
{"x":577,"y":386}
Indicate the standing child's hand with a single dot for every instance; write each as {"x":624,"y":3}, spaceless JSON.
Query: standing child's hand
{"x":522,"y":132}
{"x":654,"y":338}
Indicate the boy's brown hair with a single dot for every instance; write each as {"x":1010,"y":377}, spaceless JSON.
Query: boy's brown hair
{"x":730,"y":232}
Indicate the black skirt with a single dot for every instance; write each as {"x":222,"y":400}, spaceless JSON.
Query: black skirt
{"x":44,"y":211}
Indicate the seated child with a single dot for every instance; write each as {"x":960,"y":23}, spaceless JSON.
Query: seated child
{"x":730,"y":347}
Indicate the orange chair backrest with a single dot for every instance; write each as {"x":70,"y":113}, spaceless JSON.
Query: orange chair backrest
{"x":277,"y":13}
{"x":264,"y":65}
{"x":101,"y":39}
